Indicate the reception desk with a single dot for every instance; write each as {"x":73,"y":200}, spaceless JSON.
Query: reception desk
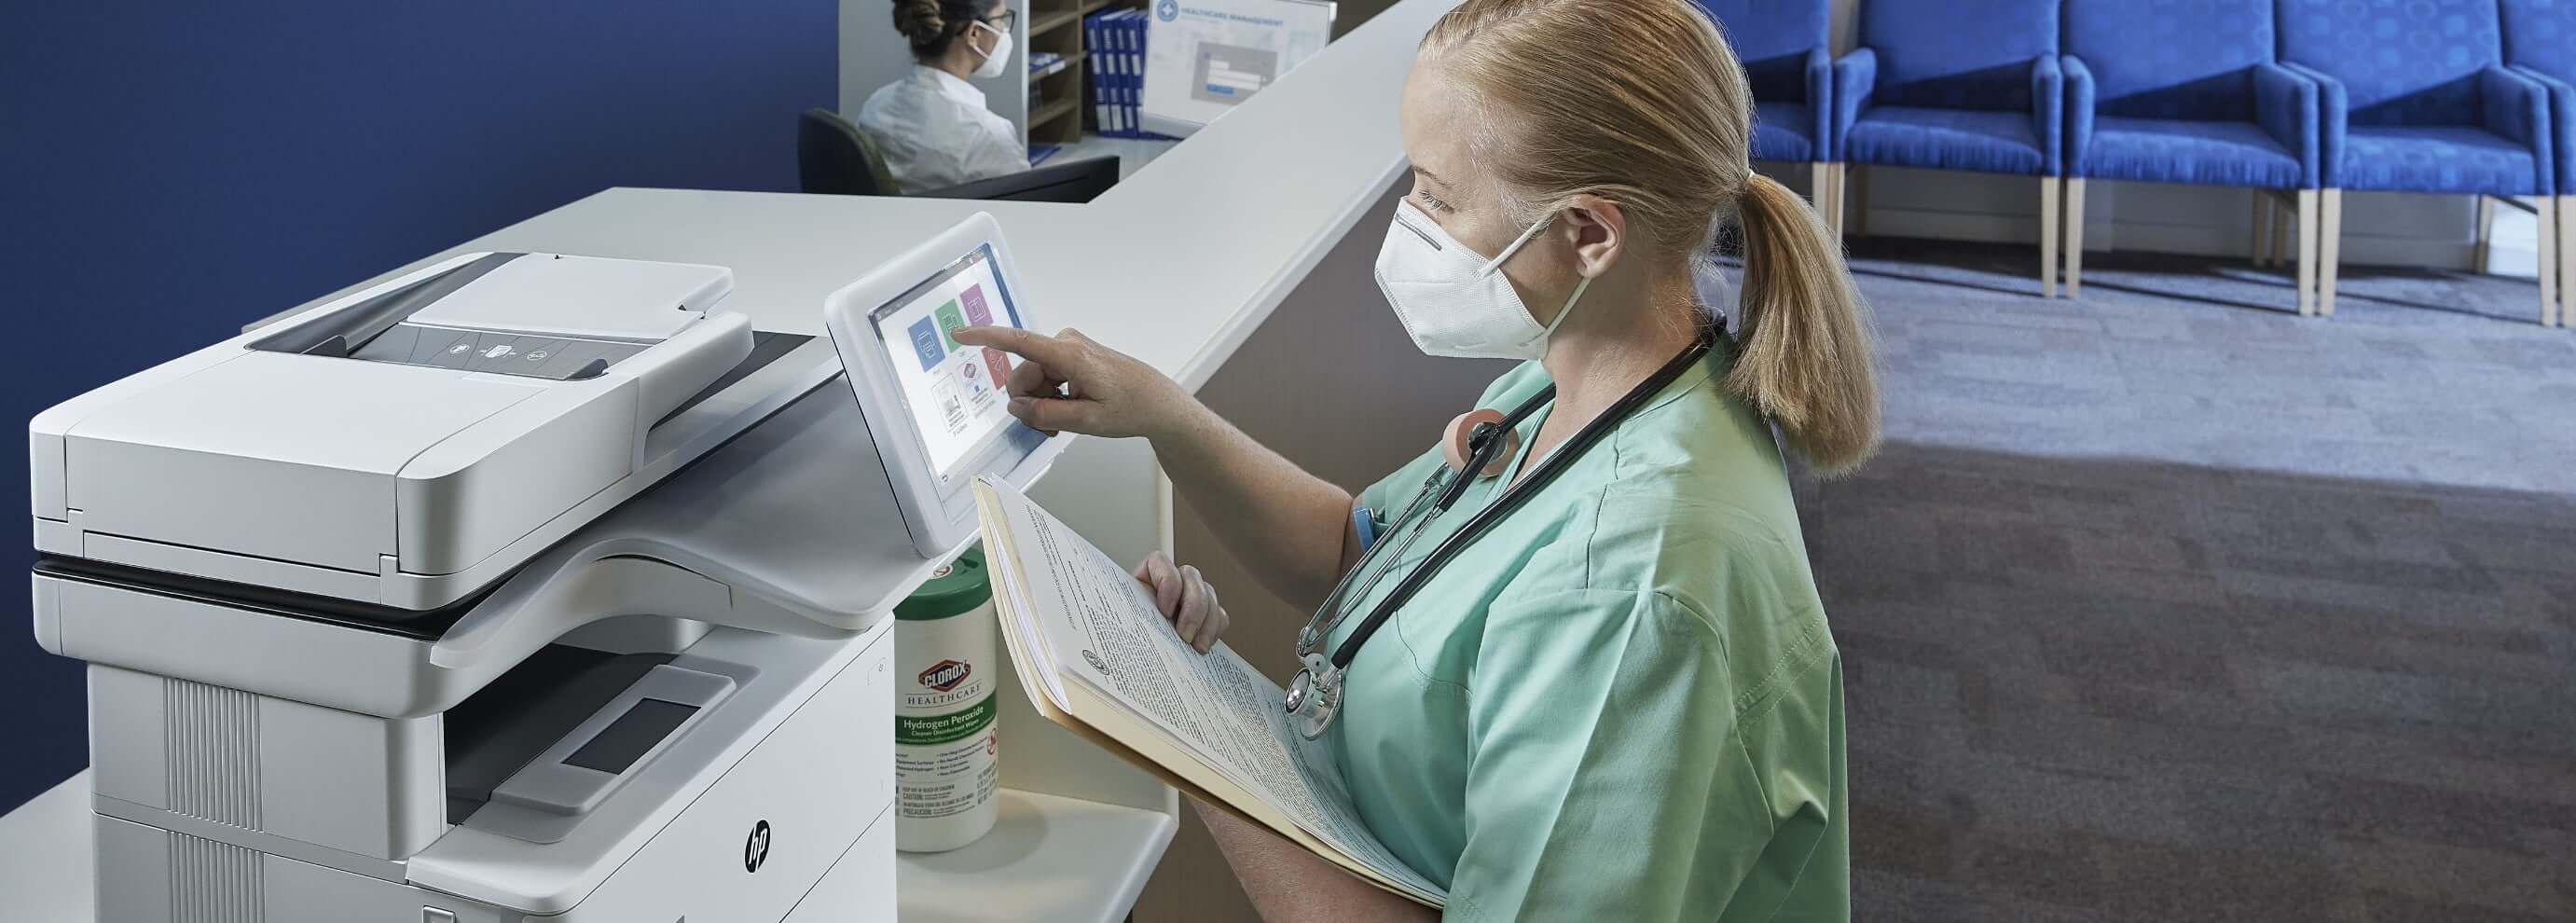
{"x":1238,"y":263}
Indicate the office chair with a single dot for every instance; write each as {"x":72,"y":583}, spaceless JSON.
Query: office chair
{"x":1075,"y":182}
{"x":834,"y":158}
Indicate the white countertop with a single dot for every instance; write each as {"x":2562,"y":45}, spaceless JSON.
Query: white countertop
{"x":1068,"y":861}
{"x":1061,"y":857}
{"x":1176,"y":265}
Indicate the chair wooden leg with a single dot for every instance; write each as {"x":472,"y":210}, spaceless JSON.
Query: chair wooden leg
{"x":2329,"y":247}
{"x":2048,"y":218}
{"x":2075,"y":238}
{"x":2485,"y":236}
{"x":2551,"y":226}
{"x":2283,"y":222}
{"x":1842,"y":198}
{"x":2566,"y":257}
{"x":1821,"y":193}
{"x":2308,"y":252}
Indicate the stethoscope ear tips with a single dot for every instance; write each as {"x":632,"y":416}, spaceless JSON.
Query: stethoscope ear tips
{"x":1458,"y":442}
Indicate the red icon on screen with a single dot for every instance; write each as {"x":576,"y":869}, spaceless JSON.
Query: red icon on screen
{"x":998,"y":363}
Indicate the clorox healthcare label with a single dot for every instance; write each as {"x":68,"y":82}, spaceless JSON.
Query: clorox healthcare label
{"x":947,"y":751}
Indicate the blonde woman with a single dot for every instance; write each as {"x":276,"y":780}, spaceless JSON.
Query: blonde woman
{"x":1619,"y":700}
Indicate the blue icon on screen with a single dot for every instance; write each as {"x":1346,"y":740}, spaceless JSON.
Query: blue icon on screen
{"x":1168,"y":9}
{"x":925,"y":340}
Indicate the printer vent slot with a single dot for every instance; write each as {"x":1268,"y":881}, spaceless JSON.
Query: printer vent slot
{"x":213,"y":747}
{"x":215,"y":882}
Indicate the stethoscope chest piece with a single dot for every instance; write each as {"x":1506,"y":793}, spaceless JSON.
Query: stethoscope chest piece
{"x":1458,"y":442}
{"x":1313,"y":701}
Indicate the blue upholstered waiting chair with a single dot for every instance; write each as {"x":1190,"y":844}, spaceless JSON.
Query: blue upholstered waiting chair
{"x":1784,"y":45}
{"x":2416,"y":98}
{"x":1958,"y":85}
{"x":2540,"y":43}
{"x":2186,"y":91}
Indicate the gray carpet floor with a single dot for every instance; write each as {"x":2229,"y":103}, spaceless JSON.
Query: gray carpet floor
{"x":2168,"y":604}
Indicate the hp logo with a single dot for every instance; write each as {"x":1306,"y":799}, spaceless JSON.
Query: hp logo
{"x":756,"y":850}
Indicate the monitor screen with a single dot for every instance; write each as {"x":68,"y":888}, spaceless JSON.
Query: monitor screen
{"x":957,"y":393}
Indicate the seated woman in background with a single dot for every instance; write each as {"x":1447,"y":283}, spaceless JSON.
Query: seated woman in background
{"x":931,"y":126}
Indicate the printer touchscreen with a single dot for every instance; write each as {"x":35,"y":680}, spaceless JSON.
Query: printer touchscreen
{"x":957,"y":393}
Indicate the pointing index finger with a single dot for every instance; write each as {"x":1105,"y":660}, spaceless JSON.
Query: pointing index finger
{"x":1023,"y":343}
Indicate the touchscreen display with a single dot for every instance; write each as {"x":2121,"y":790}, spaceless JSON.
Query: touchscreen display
{"x":956,"y":393}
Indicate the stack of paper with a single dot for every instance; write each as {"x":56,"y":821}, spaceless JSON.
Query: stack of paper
{"x":1095,"y":656}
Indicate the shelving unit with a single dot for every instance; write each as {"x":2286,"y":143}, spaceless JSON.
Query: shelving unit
{"x":1058,"y":109}
{"x":1055,"y":109}
{"x":1060,"y":65}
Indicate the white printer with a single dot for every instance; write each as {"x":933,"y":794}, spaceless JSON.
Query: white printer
{"x":522,"y":587}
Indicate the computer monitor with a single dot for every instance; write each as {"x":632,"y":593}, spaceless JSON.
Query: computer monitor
{"x":1076,"y":181}
{"x":1205,"y":57}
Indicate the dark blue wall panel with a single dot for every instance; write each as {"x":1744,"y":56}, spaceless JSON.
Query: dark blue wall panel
{"x":171,"y":171}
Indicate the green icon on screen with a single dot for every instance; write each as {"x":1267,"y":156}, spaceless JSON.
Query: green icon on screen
{"x":949,"y":320}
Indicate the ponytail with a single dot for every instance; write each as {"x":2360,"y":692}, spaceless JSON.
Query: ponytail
{"x":1665,"y":133}
{"x":1803,"y":357}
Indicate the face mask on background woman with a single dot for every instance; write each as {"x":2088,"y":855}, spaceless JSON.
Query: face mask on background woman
{"x":998,"y":58}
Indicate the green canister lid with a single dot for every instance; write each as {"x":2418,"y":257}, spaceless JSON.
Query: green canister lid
{"x":955,"y":588}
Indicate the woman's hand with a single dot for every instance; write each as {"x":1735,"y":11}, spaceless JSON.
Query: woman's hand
{"x":1185,"y":598}
{"x":1067,"y":382}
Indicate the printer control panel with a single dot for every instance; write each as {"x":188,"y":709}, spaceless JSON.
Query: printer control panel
{"x":550,"y":316}
{"x":535,"y":356}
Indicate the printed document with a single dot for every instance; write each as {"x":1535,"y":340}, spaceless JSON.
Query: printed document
{"x":1097,"y":656}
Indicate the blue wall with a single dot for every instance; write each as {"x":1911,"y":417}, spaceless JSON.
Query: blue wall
{"x":171,"y":171}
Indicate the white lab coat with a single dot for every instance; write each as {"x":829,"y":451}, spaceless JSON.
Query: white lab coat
{"x":934,"y":131}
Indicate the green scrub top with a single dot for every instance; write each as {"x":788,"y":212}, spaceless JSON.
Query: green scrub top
{"x":1622,"y":702}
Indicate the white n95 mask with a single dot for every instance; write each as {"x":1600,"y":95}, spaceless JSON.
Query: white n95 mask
{"x":1454,"y":302}
{"x":1001,"y":56}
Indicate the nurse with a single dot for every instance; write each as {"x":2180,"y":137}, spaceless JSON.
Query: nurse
{"x":932,"y":126}
{"x":1622,"y":702}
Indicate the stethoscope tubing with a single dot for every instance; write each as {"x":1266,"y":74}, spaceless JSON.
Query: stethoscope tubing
{"x":1557,"y":463}
{"x":1443,"y":489}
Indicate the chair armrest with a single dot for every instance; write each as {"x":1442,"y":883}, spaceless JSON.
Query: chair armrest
{"x":2517,"y":107}
{"x":1820,"y":99}
{"x":2334,"y":112}
{"x":2079,"y":111}
{"x":2285,"y":104}
{"x":2562,"y":125}
{"x":1855,"y":77}
{"x":2048,"y":113}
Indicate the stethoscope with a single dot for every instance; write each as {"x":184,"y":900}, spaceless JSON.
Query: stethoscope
{"x":1315,"y":695}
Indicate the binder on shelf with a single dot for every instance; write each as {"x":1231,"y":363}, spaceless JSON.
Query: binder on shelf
{"x":1114,"y":40}
{"x":1132,"y":30}
{"x":1103,"y":62}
